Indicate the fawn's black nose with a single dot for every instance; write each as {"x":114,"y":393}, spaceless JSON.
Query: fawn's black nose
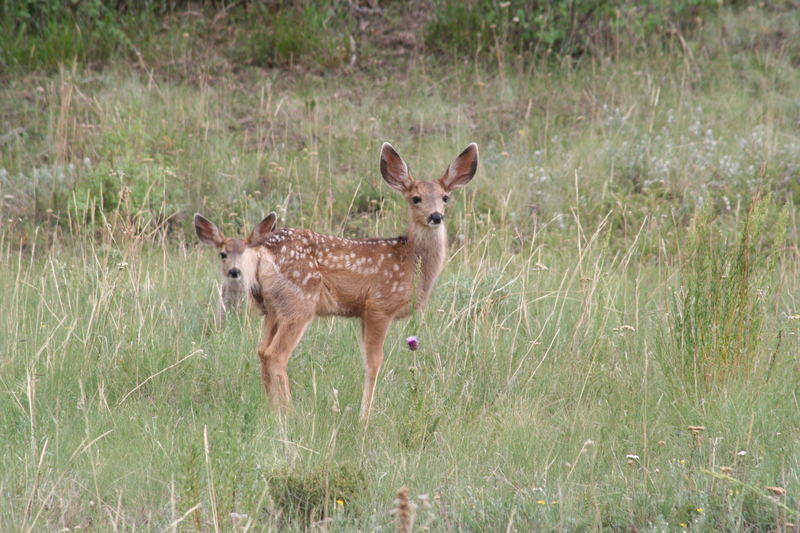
{"x":435,"y":218}
{"x":234,"y":273}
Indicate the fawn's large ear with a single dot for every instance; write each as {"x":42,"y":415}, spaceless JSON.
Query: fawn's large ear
{"x":394,"y":169}
{"x":461,"y":170}
{"x":262,"y":228}
{"x":207,"y":231}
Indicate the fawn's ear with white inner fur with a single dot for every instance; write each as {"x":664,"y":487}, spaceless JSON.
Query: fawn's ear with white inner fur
{"x":207,"y":231}
{"x":394,"y":169}
{"x":461,"y":170}
{"x":263,"y":228}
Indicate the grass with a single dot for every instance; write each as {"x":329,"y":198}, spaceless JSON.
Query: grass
{"x":617,"y":274}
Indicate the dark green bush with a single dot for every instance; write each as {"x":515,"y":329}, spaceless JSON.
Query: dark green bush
{"x":37,"y":34}
{"x":286,"y":32}
{"x":41,"y":34}
{"x":560,"y":27}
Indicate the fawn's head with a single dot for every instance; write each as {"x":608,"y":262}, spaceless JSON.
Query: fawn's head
{"x":231,"y":251}
{"x":427,"y":199}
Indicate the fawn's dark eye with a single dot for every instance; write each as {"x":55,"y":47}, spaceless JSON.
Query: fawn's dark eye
{"x":445,"y":198}
{"x":416,"y":199}
{"x":223,"y":255}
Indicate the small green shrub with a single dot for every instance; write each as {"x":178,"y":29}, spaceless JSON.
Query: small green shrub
{"x":281,"y":34}
{"x":306,"y":495}
{"x":418,"y":421}
{"x":719,"y":325}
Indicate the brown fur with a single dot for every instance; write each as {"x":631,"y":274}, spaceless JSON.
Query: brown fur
{"x":300,"y":274}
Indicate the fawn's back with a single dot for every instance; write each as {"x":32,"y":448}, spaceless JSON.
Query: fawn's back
{"x":343,"y":277}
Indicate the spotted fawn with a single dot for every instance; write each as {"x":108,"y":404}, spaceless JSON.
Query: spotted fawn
{"x":298,"y":274}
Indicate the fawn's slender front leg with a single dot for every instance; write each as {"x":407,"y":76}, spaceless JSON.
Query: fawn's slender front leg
{"x":280,"y":337}
{"x":268,"y":327}
{"x":373,"y":333}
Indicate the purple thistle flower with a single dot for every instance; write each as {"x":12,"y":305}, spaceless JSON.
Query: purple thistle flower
{"x":412,"y":342}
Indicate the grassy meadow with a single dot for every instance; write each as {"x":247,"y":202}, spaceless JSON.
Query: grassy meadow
{"x":624,"y":265}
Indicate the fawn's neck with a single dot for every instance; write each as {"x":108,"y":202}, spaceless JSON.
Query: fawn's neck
{"x":427,"y":247}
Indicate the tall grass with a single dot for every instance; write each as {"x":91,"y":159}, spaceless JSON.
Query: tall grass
{"x":617,"y":274}
{"x":720,"y":326}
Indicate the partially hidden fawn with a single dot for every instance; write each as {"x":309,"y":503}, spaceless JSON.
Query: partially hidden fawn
{"x":232,"y":285}
{"x":295,"y":274}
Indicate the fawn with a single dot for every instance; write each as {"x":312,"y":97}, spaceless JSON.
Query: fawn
{"x":299,"y":274}
{"x":233,"y":284}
